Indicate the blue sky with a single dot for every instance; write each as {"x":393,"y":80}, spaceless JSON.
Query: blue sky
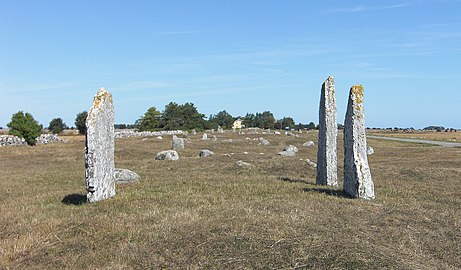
{"x":240,"y":56}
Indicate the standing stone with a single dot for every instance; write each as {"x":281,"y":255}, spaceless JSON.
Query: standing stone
{"x":178,"y":143}
{"x":99,"y":148}
{"x":327,"y":171}
{"x":357,"y":176}
{"x":205,"y":136}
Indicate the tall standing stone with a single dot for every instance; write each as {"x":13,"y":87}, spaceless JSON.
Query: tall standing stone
{"x":327,"y":163}
{"x":99,"y":148}
{"x":357,"y":176}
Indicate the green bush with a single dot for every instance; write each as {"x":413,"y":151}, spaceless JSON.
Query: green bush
{"x":80,"y":122}
{"x":57,"y":126}
{"x":24,"y":126}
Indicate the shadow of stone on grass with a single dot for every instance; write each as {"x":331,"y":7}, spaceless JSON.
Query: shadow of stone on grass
{"x":74,"y":199}
{"x":330,"y":192}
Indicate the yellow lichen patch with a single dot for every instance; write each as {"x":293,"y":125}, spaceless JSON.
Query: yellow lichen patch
{"x":357,"y":91}
{"x":100,"y":96}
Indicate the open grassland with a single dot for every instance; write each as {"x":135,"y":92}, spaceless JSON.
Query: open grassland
{"x":211,"y":214}
{"x":418,"y":134}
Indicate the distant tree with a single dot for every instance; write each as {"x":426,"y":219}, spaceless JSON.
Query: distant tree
{"x":267,"y":120}
{"x":24,"y":126}
{"x":300,"y":126}
{"x":150,"y":120}
{"x":311,"y":125}
{"x":182,"y":117}
{"x":57,"y":126}
{"x":222,"y":119}
{"x":249,"y":120}
{"x":120,"y":126}
{"x":288,"y":122}
{"x":80,"y":122}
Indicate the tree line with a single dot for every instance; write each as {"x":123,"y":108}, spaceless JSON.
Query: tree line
{"x":173,"y":117}
{"x":187,"y":117}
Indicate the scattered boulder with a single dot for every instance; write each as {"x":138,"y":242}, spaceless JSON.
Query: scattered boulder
{"x":309,"y":144}
{"x":291,"y":148}
{"x":205,"y":136}
{"x":287,"y":154}
{"x":167,"y":155}
{"x":123,"y":176}
{"x":194,"y":132}
{"x":370,"y":150}
{"x":205,"y":153}
{"x":311,"y":163}
{"x":243,"y":164}
{"x":228,"y":141}
{"x":159,"y":138}
{"x":263,"y":141}
{"x":277,"y":133}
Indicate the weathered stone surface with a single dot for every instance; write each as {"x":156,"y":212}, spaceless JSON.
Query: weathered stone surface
{"x":167,"y":155}
{"x":132,"y":133}
{"x":327,"y":163}
{"x":311,"y":163}
{"x":205,"y":136}
{"x":357,"y":176}
{"x":243,"y":164}
{"x":99,"y":148}
{"x":123,"y":176}
{"x":370,"y":150}
{"x":291,"y":148}
{"x":309,"y":144}
{"x":287,"y":154}
{"x":263,"y":141}
{"x":205,"y":153}
{"x":11,"y":140}
{"x":178,"y":143}
{"x":49,"y":138}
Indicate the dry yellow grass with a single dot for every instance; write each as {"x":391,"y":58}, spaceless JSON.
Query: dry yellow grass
{"x":209,"y":213}
{"x":418,"y":134}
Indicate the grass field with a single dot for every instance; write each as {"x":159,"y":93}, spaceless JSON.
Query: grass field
{"x":418,"y":134}
{"x":211,"y":214}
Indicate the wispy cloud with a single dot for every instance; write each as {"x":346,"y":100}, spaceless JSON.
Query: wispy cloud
{"x":32,"y":87}
{"x":183,"y":32}
{"x":142,"y":85}
{"x":358,"y":9}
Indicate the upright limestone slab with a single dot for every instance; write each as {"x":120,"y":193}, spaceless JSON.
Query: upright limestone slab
{"x":357,"y":176}
{"x":327,"y":163}
{"x":99,"y":148}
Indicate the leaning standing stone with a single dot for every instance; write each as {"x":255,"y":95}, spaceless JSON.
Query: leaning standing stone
{"x":99,"y":148}
{"x":327,"y":172}
{"x":357,"y":176}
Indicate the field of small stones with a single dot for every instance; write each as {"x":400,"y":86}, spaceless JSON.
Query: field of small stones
{"x":245,"y":207}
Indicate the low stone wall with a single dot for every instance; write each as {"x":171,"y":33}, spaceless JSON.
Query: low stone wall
{"x":49,"y":138}
{"x":10,"y":140}
{"x":131,"y":133}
